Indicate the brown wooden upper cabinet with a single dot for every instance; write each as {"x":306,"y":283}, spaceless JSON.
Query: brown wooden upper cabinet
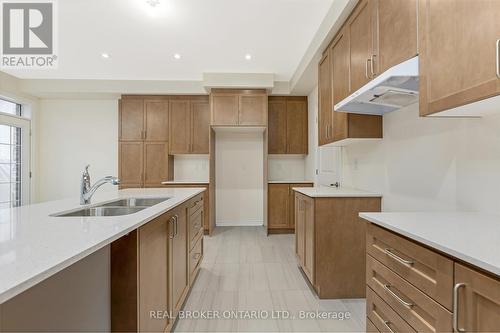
{"x":458,"y":57}
{"x":231,"y":107}
{"x":288,"y":125}
{"x":324,"y":100}
{"x":189,"y":125}
{"x":143,"y":120}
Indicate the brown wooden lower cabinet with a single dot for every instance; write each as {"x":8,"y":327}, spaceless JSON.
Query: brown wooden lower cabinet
{"x":281,"y":206}
{"x":208,"y":226}
{"x":152,"y":269}
{"x":330,"y":243}
{"x":413,"y":288}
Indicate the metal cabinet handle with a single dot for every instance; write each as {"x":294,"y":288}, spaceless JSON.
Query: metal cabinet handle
{"x":171,"y":221}
{"x":372,"y":65}
{"x":397,"y":297}
{"x":498,"y":58}
{"x":455,"y":307}
{"x":368,"y":61}
{"x":398,"y":258}
{"x":388,"y":325}
{"x":176,"y":219}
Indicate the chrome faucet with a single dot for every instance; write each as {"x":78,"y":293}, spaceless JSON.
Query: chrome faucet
{"x":86,"y":192}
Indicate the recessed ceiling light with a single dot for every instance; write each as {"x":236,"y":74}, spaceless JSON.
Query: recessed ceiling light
{"x":248,"y":56}
{"x":177,"y":56}
{"x":105,"y":55}
{"x":153,"y":3}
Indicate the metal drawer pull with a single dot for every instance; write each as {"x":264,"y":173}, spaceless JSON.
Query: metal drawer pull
{"x":171,"y":221}
{"x":388,"y":325}
{"x":398,"y":258}
{"x":368,"y":61}
{"x":498,"y":58}
{"x":176,"y":219}
{"x":455,"y":307}
{"x":400,"y":300}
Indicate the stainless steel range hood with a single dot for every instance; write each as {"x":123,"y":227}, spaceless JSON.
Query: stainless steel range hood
{"x":394,"y":89}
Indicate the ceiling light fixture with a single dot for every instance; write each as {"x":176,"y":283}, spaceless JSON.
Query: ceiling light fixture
{"x":248,"y":56}
{"x":177,"y":56}
{"x":153,"y":3}
{"x":105,"y":55}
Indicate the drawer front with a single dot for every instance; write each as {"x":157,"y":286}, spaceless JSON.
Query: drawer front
{"x":195,"y":227}
{"x":427,"y":270}
{"x":418,"y":309}
{"x":195,"y":204}
{"x":383,"y":316}
{"x":370,"y":328}
{"x":195,"y":256}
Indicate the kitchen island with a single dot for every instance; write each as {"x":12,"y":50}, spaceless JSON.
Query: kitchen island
{"x":35,"y":245}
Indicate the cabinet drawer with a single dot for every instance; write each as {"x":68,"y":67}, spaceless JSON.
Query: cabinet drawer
{"x":418,"y":309}
{"x":195,"y":204}
{"x":370,"y":328}
{"x":195,"y":227}
{"x":427,"y":270}
{"x":195,"y":256}
{"x":382,"y":316}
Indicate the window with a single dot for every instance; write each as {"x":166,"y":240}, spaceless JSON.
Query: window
{"x":14,"y":156}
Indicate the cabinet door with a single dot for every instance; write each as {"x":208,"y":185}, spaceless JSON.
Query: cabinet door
{"x":252,"y":110}
{"x":296,"y":127}
{"x":200,"y":130}
{"x":277,"y":126}
{"x":131,"y":166}
{"x":309,"y":239}
{"x":291,"y":201}
{"x":179,"y":260}
{"x":153,"y":276}
{"x":325,"y":100}
{"x":156,"y":163}
{"x":180,"y":127}
{"x":397,"y":33}
{"x":359,"y":29}
{"x":156,"y":120}
{"x":300,"y":230}
{"x":131,"y":119}
{"x":224,"y":110}
{"x":339,"y":62}
{"x":478,"y":301}
{"x":457,"y":53}
{"x":278,"y":206}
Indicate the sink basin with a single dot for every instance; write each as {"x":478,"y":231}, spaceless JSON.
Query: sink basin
{"x":135,"y":202}
{"x":101,"y":211}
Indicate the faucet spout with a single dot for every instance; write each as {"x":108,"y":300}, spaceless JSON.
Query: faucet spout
{"x":86,"y":191}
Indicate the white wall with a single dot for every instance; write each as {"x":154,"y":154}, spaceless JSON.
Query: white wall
{"x":71,"y":134}
{"x":191,"y":167}
{"x":286,"y":167}
{"x":430,"y":164}
{"x":239,"y":178}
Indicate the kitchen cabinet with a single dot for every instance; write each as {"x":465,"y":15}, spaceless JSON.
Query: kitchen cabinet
{"x":131,"y":164}
{"x":478,"y":300}
{"x":157,"y":163}
{"x":156,"y":120}
{"x":330,"y":243}
{"x":151,"y":271}
{"x":281,"y":206}
{"x":359,"y":29}
{"x":131,"y":120}
{"x":458,"y":59}
{"x":288,"y":125}
{"x":231,"y":107}
{"x":189,"y":126}
{"x":325,"y":106}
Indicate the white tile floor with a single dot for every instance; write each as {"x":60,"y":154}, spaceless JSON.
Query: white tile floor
{"x":244,"y":270}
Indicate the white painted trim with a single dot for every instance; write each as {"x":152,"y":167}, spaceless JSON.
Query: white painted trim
{"x":248,"y":223}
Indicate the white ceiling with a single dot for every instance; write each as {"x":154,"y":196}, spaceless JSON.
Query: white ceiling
{"x":210,"y":35}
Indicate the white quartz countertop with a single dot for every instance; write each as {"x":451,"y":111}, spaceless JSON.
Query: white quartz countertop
{"x":290,"y":182}
{"x":35,"y":245}
{"x":180,"y":182}
{"x":471,"y":237}
{"x":331,"y":192}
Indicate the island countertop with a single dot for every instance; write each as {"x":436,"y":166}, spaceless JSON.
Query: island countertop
{"x":35,"y":245}
{"x":473,"y":238}
{"x":332,"y":192}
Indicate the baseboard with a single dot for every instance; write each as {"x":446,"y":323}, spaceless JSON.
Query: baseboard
{"x":247,"y":223}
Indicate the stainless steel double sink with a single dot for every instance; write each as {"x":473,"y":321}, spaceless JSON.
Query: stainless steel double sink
{"x":118,"y":207}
